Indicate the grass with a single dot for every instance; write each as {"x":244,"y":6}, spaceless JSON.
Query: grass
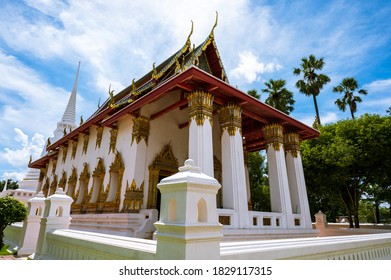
{"x":4,"y":252}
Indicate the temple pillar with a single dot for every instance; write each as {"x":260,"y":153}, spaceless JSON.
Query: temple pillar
{"x":277,"y":172}
{"x":200,"y":130}
{"x":296,"y":179}
{"x":234,"y":175}
{"x":245,"y":154}
{"x":140,"y":134}
{"x":56,"y":216}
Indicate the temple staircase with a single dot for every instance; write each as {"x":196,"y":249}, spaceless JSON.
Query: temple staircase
{"x":138,"y":225}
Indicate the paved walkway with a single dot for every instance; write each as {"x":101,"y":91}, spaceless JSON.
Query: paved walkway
{"x":11,"y":257}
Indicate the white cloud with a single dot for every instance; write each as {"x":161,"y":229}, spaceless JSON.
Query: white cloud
{"x":20,"y":157}
{"x":31,"y":103}
{"x":250,"y":68}
{"x":329,"y":117}
{"x":18,"y":176}
{"x":378,"y":86}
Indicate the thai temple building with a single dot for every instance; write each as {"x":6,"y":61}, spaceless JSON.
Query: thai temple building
{"x":184,"y":108}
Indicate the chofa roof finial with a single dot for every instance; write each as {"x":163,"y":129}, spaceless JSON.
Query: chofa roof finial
{"x":214,"y":26}
{"x":188,"y":42}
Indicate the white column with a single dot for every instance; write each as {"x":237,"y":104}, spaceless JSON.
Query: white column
{"x":56,"y":216}
{"x":200,"y":130}
{"x":278,"y":177}
{"x":29,"y":235}
{"x":234,"y":175}
{"x":140,"y":134}
{"x":296,"y":179}
{"x":189,"y":227}
{"x":245,"y":153}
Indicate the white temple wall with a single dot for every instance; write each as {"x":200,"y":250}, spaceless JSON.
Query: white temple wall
{"x":123,"y":145}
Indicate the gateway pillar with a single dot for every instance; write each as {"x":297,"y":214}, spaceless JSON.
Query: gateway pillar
{"x":56,"y":216}
{"x":188,"y":228}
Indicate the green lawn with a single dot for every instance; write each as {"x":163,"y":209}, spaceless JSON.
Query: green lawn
{"x":4,"y":251}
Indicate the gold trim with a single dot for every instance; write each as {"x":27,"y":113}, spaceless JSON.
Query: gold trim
{"x":64,"y":153}
{"x":231,"y":119}
{"x":113,"y":139}
{"x":84,"y":180}
{"x":99,"y":134}
{"x":72,"y":183}
{"x":86,"y":138}
{"x":273,"y":134}
{"x":45,"y":188}
{"x":54,"y":166}
{"x":42,"y":173}
{"x":292,"y":143}
{"x":74,"y":149}
{"x":200,"y":107}
{"x":164,"y":164}
{"x":63,"y":181}
{"x":53,"y":186}
{"x":134,"y":198}
{"x":141,"y":127}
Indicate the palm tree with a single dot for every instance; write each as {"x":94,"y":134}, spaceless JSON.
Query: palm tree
{"x":279,"y":97}
{"x":312,"y":82}
{"x":347,"y":87}
{"x":389,"y":110}
{"x":254,"y":93}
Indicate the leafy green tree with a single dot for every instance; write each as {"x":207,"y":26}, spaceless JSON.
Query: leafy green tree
{"x":11,"y":185}
{"x":11,"y":211}
{"x":376,"y":195}
{"x":279,"y":97}
{"x":348,"y":87}
{"x":347,"y":159}
{"x":312,"y":82}
{"x":389,"y":111}
{"x":259,"y":185}
{"x":254,"y":93}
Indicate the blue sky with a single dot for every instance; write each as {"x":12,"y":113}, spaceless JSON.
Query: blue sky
{"x":41,"y":42}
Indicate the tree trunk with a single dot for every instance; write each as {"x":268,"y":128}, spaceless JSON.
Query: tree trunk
{"x":1,"y":237}
{"x":377,"y":213}
{"x":316,"y":109}
{"x":355,"y":214}
{"x":351,"y":225}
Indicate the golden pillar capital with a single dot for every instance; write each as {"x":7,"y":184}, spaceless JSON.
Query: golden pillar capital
{"x":292,"y":143}
{"x":141,"y":126}
{"x":231,"y":118}
{"x":274,"y":136}
{"x":200,"y":106}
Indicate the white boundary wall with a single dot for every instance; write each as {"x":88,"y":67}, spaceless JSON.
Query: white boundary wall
{"x":78,"y":245}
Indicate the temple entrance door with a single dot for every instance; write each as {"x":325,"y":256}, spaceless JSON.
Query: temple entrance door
{"x":165,"y":164}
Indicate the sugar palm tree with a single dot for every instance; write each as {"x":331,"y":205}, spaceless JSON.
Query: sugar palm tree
{"x":279,"y":97}
{"x":254,"y":93}
{"x":347,"y":87}
{"x":312,"y":82}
